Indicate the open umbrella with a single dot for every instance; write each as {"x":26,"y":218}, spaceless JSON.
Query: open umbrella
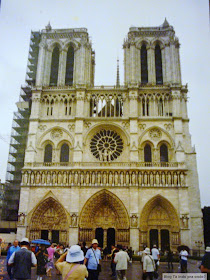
{"x":40,"y":241}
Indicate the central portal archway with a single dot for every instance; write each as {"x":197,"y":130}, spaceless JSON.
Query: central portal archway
{"x":104,"y":216}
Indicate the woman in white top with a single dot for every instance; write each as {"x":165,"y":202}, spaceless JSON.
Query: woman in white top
{"x":148,"y":265}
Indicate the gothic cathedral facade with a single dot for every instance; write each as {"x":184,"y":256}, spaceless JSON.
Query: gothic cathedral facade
{"x":111,"y":162}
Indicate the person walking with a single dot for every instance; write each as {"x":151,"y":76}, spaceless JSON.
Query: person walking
{"x":148,"y":265}
{"x":121,"y":259}
{"x":156,"y":256}
{"x":42,"y":259}
{"x":50,"y":265}
{"x":183,"y":260}
{"x":23,"y":260}
{"x":71,"y":267}
{"x":170,"y":259}
{"x":114,"y":250}
{"x":93,"y":257}
{"x":10,"y":251}
{"x":205,"y":264}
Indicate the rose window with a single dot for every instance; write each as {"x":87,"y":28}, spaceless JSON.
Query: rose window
{"x":106,"y":145}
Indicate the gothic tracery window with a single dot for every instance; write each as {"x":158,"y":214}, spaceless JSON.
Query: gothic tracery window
{"x":69,"y":66}
{"x":54,"y":67}
{"x":163,"y":153}
{"x":48,"y":153}
{"x":106,"y":145}
{"x":64,"y":155}
{"x":158,"y":65}
{"x":144,"y":67}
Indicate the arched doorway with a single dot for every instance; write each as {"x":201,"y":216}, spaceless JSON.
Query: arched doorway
{"x":49,"y":221}
{"x":104,"y":214}
{"x":159,"y":224}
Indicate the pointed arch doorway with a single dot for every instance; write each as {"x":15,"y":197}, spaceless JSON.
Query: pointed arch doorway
{"x":104,"y":217}
{"x":49,"y":221}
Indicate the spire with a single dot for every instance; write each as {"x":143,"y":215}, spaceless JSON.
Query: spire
{"x":48,"y":27}
{"x":165,"y":24}
{"x":118,"y":74}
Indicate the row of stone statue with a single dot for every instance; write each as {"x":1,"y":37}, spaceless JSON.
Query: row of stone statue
{"x":109,"y":178}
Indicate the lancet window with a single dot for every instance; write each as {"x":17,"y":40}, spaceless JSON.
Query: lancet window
{"x":163,"y":153}
{"x":54,"y":67}
{"x":145,"y":106}
{"x":158,"y":65}
{"x":50,"y":107}
{"x":147,"y":153}
{"x":68,"y":107}
{"x":64,"y":155}
{"x":48,"y":153}
{"x":144,"y":66}
{"x":106,"y":105}
{"x":69,"y":66}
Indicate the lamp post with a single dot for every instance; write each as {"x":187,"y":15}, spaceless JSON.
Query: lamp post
{"x":199,"y":245}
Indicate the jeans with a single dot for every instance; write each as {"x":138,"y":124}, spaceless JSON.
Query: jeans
{"x":113,"y":268}
{"x":121,"y":274}
{"x":148,"y":275}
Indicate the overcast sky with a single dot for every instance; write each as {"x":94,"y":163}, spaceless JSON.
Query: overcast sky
{"x":108,"y":22}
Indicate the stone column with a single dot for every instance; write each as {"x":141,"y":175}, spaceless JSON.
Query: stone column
{"x":178,"y":66}
{"x":134,"y":239}
{"x":73,"y":236}
{"x":167,"y":59}
{"x":47,"y":68}
{"x":133,"y":63}
{"x":62,"y":68}
{"x":41,"y":64}
{"x":151,"y":65}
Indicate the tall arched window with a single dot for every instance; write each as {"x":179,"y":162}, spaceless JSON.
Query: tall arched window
{"x":144,"y":67}
{"x":48,"y":153}
{"x":147,"y":153}
{"x":158,"y":65}
{"x":54,"y":67}
{"x":69,"y":66}
{"x":64,"y":156}
{"x":145,"y":107}
{"x":163,"y":153}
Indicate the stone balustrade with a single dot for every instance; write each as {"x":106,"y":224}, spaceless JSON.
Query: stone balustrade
{"x":109,"y":178}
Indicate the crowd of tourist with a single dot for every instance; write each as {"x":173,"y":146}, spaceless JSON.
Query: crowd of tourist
{"x":80,"y":262}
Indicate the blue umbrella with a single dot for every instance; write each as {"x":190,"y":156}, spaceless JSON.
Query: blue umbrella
{"x":41,"y":242}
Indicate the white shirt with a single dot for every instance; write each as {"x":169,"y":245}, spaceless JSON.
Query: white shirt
{"x":33,"y":258}
{"x":155,"y":253}
{"x":148,"y":264}
{"x":184,"y":255}
{"x":121,"y":259}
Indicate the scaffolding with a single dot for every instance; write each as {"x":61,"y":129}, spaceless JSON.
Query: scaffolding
{"x":19,"y":134}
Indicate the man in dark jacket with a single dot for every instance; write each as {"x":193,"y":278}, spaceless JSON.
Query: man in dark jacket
{"x":22,"y":261}
{"x":205,"y":265}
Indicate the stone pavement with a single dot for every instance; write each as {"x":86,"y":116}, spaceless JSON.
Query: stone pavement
{"x":134,"y":271}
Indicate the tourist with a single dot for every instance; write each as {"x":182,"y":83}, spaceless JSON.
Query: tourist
{"x":148,"y":265}
{"x":130,"y":254}
{"x":58,"y":252}
{"x":93,"y":257}
{"x":121,"y":259}
{"x":205,"y":264}
{"x":50,"y":265}
{"x":10,"y":251}
{"x":156,"y":256}
{"x":105,"y":253}
{"x":23,"y":260}
{"x":170,"y":259}
{"x":114,"y":250}
{"x":183,"y":260}
{"x":71,"y":268}
{"x":42,"y":259}
{"x":84,"y":248}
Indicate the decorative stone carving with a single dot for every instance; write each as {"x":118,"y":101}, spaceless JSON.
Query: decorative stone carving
{"x":21,"y":219}
{"x":182,"y":179}
{"x":184,"y":220}
{"x":155,"y":134}
{"x":168,"y":126}
{"x":71,"y":127}
{"x":74,"y":220}
{"x":134,"y":221}
{"x":87,"y":124}
{"x":142,"y":126}
{"x":125,"y":125}
{"x":56,"y":133}
{"x":42,"y":127}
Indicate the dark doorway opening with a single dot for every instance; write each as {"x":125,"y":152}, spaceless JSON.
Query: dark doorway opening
{"x":154,"y":238}
{"x":44,"y":234}
{"x":110,"y":238}
{"x":99,"y":235}
{"x":165,"y":240}
{"x":55,"y":236}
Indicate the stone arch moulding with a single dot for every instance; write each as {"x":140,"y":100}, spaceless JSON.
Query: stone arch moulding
{"x":42,"y":139}
{"x":55,"y":43}
{"x":166,"y":205}
{"x":102,"y":125}
{"x":49,"y":213}
{"x":140,"y":42}
{"x":112,"y":210}
{"x":76,"y":45}
{"x":168,"y":139}
{"x":158,"y":41}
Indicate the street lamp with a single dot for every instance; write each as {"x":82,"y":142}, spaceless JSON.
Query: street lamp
{"x":199,"y":245}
